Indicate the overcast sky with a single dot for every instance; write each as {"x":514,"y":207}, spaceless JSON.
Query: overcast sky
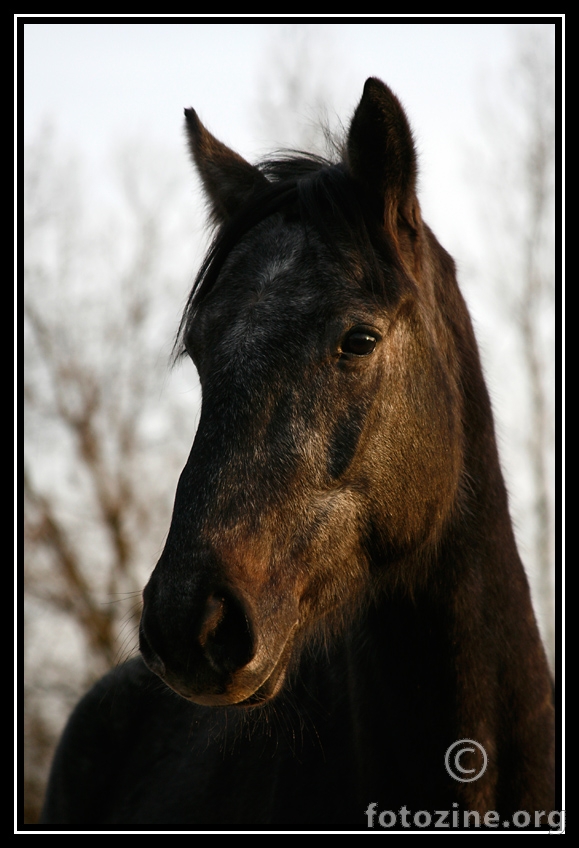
{"x":102,"y":83}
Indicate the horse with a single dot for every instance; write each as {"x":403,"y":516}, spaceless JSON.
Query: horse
{"x":340,"y":601}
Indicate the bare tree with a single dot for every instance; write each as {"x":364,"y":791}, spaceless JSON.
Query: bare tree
{"x":100,"y":463}
{"x":517,"y":166}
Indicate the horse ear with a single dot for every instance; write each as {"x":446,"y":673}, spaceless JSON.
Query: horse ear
{"x":227,"y":178}
{"x":382,"y":158}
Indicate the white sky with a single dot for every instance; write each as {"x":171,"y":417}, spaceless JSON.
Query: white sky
{"x":101,"y":83}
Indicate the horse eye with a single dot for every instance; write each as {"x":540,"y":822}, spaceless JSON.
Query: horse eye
{"x":359,"y":342}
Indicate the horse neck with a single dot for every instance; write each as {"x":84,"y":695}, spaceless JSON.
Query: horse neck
{"x":459,"y":658}
{"x":458,"y":654}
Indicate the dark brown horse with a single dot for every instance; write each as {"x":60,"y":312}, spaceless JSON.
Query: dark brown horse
{"x":340,"y":599}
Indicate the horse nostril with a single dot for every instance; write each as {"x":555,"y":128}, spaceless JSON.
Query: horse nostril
{"x":213,"y":616}
{"x":225,"y":634}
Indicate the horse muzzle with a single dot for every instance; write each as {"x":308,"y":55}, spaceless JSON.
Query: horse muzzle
{"x":214,"y":651}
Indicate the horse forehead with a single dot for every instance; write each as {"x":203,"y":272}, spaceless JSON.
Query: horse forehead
{"x":272,"y":252}
{"x":273,"y":268}
{"x":279,"y":296}
{"x":270,"y":283}
{"x":277,"y":301}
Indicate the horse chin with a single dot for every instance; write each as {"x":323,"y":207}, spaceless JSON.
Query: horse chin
{"x":268,"y":690}
{"x":273,"y":684}
{"x":252,"y":686}
{"x":237,"y":696}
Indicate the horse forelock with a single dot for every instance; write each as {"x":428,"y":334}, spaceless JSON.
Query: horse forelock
{"x":324,"y":199}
